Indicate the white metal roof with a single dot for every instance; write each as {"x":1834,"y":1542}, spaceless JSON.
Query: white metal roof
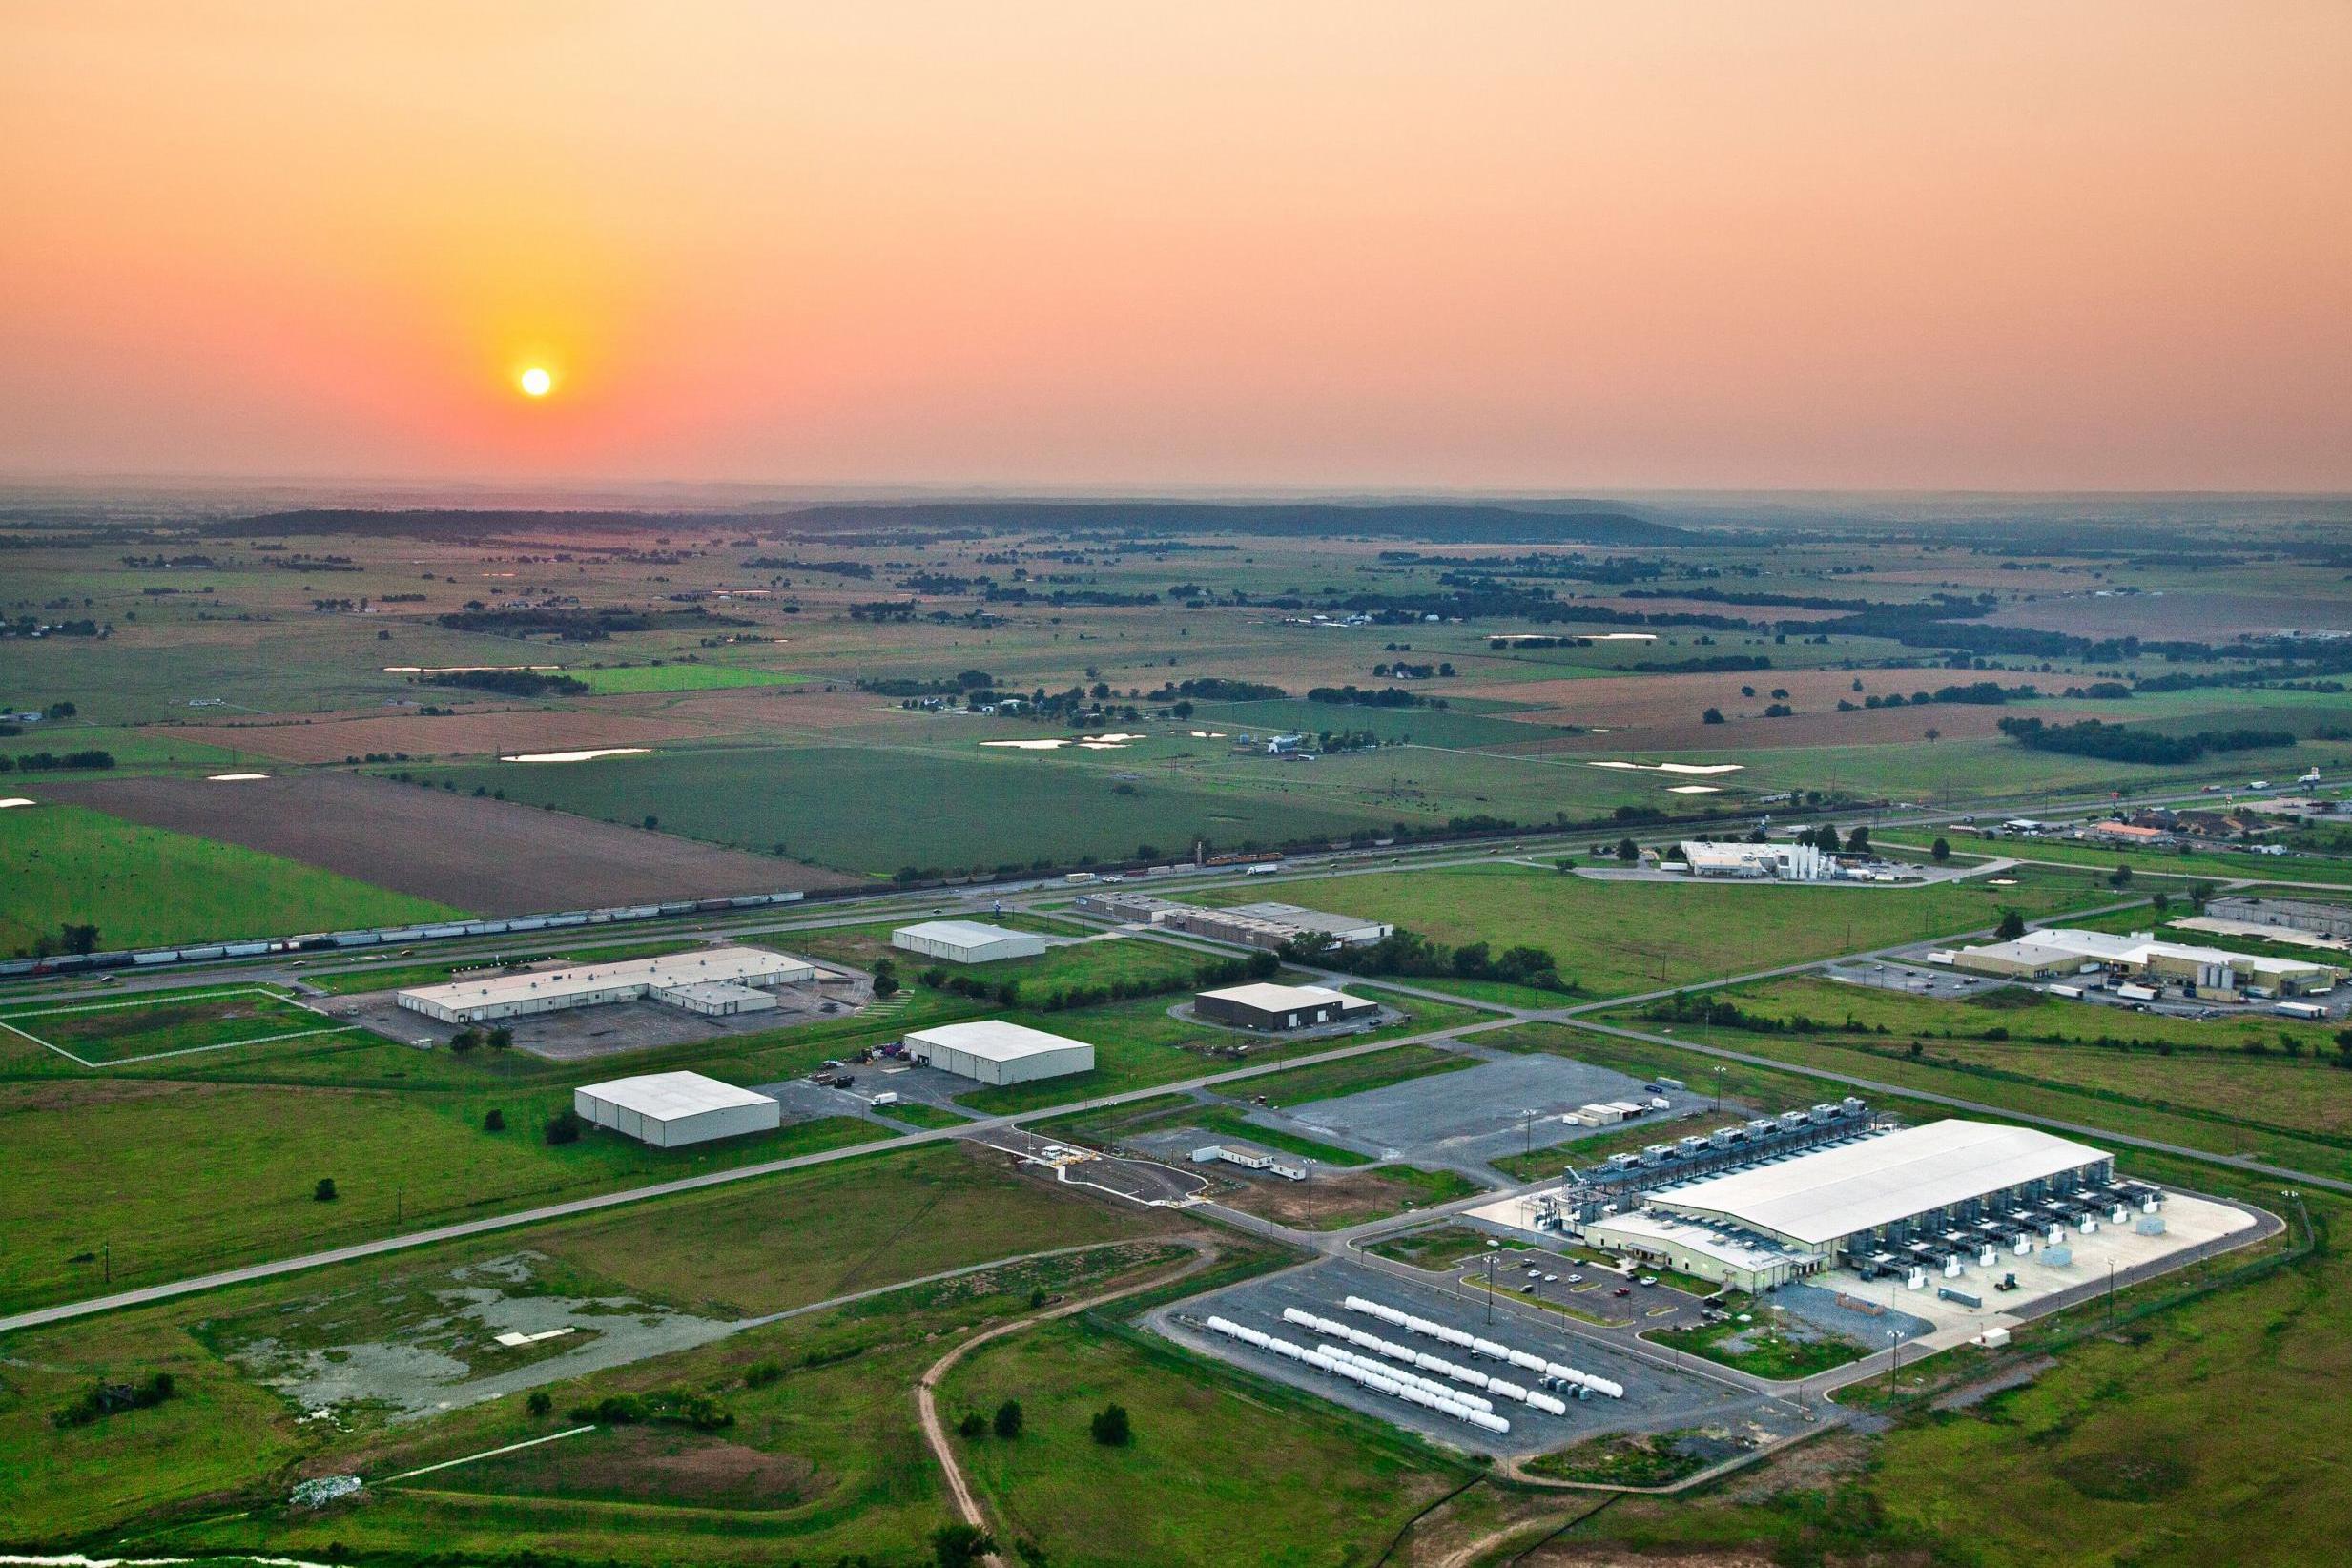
{"x":1277,"y":998}
{"x":696,"y":964}
{"x":993,"y":1039}
{"x":1652,"y":1225}
{"x":2139,"y":947}
{"x":666,"y":1096}
{"x":961,"y":933}
{"x":1834,"y":1193}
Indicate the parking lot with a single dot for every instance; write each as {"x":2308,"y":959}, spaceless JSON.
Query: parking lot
{"x":1464,"y":1120}
{"x":1658,"y":1396}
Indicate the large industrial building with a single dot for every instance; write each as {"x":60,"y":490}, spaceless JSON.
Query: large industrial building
{"x":997,"y":1052}
{"x":2306,"y":917}
{"x":1277,"y":1009}
{"x":1885,"y":1201}
{"x":1270,"y":926}
{"x":669,"y":1110}
{"x":2216,"y":972}
{"x":967,"y":941}
{"x":1758,"y":862}
{"x":711,"y":980}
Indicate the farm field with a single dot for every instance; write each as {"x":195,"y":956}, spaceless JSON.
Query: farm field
{"x":923,"y":807}
{"x":486,"y":855}
{"x":144,"y":886}
{"x":1612,"y":937}
{"x":2196,"y":866}
{"x":606,"y":680}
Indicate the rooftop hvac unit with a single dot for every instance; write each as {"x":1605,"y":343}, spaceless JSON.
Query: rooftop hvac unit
{"x":2118,"y":1215}
{"x":2150,"y":1225}
{"x":2089,"y":1224}
{"x":1918,"y":1280}
{"x":2057,"y":1257}
{"x":1985,"y":1257}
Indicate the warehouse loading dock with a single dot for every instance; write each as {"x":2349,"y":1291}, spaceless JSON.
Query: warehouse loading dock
{"x":497,"y":996}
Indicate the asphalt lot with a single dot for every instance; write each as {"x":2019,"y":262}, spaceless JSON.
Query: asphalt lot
{"x":1656,"y":1399}
{"x":1463,"y":1120}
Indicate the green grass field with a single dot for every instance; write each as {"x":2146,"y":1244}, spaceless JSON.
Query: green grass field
{"x":1762,"y":1347}
{"x":143,"y":886}
{"x":2198,"y":866}
{"x":237,"y":1187}
{"x":1617,"y":937}
{"x":123,"y":1029}
{"x":1357,"y":1075}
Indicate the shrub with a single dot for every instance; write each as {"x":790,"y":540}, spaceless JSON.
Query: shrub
{"x":501,"y":1038}
{"x":563,"y":1127}
{"x":494,"y":1120}
{"x":1110,"y":1427}
{"x":324,"y":1192}
{"x":973,"y":1425}
{"x":103,"y":1399}
{"x":1008,"y":1418}
{"x":2011,"y":926}
{"x":539,"y":1402}
{"x":960,"y":1545}
{"x":763,"y":1374}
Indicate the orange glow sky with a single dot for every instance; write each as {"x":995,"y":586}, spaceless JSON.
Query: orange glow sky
{"x":1275,"y":243}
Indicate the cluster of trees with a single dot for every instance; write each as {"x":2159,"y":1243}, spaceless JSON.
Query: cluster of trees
{"x":1825,"y":838}
{"x":1215,"y":689}
{"x":1384,"y":696}
{"x":1403,"y":952}
{"x":1007,"y":1423}
{"x":1205,"y":976}
{"x":470,"y":1038}
{"x":2120,"y":743}
{"x":1403,"y":672}
{"x":511,"y":683}
{"x":42,"y":762}
{"x":1978,"y":693}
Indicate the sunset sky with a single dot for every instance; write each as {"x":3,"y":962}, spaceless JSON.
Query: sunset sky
{"x":1459,"y":244}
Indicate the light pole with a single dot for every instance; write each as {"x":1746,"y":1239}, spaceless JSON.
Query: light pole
{"x":1719,"y":1088}
{"x":1894,"y":1357}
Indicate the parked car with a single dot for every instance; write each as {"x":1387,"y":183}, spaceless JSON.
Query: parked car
{"x":1622,"y":1290}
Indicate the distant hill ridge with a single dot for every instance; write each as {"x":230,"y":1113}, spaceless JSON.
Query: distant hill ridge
{"x":1569,"y":521}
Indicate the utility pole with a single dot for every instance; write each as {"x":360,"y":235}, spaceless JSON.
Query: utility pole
{"x":1311,"y":1194}
{"x":2111,"y":1292}
{"x":1489,"y":1288}
{"x":106,"y":1251}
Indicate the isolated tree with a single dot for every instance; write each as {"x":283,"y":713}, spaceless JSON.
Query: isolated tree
{"x":1008,"y":1418}
{"x":539,"y":1403}
{"x":1933,"y":734}
{"x":1110,"y":1427}
{"x":501,"y":1038}
{"x":973,"y":1425}
{"x":2011,"y":926}
{"x":79,"y":938}
{"x":1858,"y":841}
{"x":2121,"y":877}
{"x":1713,"y":716}
{"x":494,"y":1120}
{"x":960,"y":1545}
{"x":1940,"y":851}
{"x":563,"y":1127}
{"x":885,"y":978}
{"x":2162,"y":902}
{"x":324,"y":1192}
{"x":466,"y":1040}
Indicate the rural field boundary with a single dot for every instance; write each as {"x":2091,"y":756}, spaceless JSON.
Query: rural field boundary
{"x":171,"y":999}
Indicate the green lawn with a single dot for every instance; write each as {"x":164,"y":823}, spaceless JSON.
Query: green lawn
{"x":2208,"y":867}
{"x":678,"y":677}
{"x":1761,"y":1348}
{"x":1439,"y":1248}
{"x":142,"y":886}
{"x":1617,"y":936}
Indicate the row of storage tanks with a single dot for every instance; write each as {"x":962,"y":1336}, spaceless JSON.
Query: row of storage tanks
{"x":1413,"y":1389}
{"x":1494,"y":1350}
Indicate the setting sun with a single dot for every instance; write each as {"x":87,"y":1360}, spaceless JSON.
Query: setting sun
{"x":537,"y":383}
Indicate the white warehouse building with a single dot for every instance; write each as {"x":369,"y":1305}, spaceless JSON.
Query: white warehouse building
{"x":682,"y":980}
{"x":997,"y":1052}
{"x":967,"y":941}
{"x":669,"y":1110}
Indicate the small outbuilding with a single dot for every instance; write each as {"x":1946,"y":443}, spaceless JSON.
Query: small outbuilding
{"x":1276,"y":1009}
{"x":994,"y":1051}
{"x":669,"y":1110}
{"x":967,"y":941}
